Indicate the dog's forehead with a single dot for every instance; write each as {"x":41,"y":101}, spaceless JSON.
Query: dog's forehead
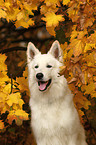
{"x":44,"y":58}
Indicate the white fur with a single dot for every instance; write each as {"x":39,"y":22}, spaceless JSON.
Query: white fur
{"x":54,"y":119}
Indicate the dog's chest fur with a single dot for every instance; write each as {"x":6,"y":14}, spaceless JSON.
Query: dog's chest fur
{"x":53,"y":118}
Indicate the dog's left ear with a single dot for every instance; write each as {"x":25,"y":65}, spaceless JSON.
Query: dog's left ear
{"x":56,"y":51}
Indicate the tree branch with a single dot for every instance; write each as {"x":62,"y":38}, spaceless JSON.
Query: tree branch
{"x":13,"y":49}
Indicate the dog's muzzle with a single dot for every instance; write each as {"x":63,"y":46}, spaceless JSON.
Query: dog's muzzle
{"x":43,"y":85}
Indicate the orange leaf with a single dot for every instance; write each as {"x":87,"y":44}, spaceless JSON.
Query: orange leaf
{"x":51,"y":30}
{"x":1,"y":124}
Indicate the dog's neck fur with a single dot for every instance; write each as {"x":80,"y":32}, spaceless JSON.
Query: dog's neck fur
{"x":48,"y":97}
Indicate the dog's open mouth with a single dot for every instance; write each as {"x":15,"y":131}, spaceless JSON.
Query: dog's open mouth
{"x":44,"y":85}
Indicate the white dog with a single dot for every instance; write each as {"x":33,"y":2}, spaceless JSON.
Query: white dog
{"x":54,"y":119}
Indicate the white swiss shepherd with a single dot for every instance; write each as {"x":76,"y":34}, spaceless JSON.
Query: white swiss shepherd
{"x":54,"y":119}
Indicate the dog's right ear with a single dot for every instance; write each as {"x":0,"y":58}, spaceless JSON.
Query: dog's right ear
{"x":31,"y":51}
{"x":56,"y":51}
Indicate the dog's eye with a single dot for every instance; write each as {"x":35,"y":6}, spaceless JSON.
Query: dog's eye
{"x":36,"y":66}
{"x":49,"y":66}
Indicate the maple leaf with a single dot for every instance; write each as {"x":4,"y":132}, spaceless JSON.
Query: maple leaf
{"x":7,"y":4}
{"x":25,"y":73}
{"x":62,"y":70}
{"x":92,"y":38}
{"x":13,"y":17}
{"x":1,"y":124}
{"x":65,"y":2}
{"x":7,"y":89}
{"x":88,"y":46}
{"x":14,"y":99}
{"x":21,"y":114}
{"x":45,"y":9}
{"x":81,"y":101}
{"x":11,"y":116}
{"x":24,"y":23}
{"x":51,"y":2}
{"x":73,"y":34}
{"x":18,"y":116}
{"x":20,"y":16}
{"x":2,"y":62}
{"x":52,"y":19}
{"x":3,"y":13}
{"x":90,"y":88}
{"x":30,"y":7}
{"x":23,"y":84}
{"x":77,"y":46}
{"x":51,"y":30}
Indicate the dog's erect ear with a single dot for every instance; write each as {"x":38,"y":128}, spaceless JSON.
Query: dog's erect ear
{"x":56,"y":51}
{"x":31,"y":51}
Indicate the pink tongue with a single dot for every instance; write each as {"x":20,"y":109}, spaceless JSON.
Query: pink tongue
{"x":42,"y":86}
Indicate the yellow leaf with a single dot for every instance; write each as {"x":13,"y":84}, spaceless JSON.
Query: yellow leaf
{"x":88,"y":46}
{"x":3,"y":66}
{"x":14,"y":99}
{"x":81,"y":34}
{"x":21,"y":114}
{"x":30,"y":22}
{"x":65,"y":2}
{"x":30,"y":7}
{"x":51,"y":2}
{"x":52,"y":19}
{"x":74,"y":34}
{"x":77,"y":48}
{"x":2,"y":14}
{"x":12,"y":14}
{"x":20,"y":16}
{"x":7,"y":4}
{"x":70,"y":53}
{"x":23,"y":84}
{"x":24,"y":23}
{"x":5,"y":108}
{"x":7,"y":89}
{"x":16,"y":107}
{"x":90,"y":59}
{"x":45,"y":9}
{"x":18,"y":116}
{"x":3,"y":97}
{"x":92,"y":38}
{"x":93,"y":94}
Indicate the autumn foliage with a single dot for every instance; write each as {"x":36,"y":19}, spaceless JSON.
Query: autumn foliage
{"x":72,"y":22}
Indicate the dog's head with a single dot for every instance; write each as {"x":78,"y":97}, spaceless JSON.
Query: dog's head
{"x":44,"y":68}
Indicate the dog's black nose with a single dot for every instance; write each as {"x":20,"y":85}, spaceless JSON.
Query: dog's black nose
{"x":39,"y":76}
